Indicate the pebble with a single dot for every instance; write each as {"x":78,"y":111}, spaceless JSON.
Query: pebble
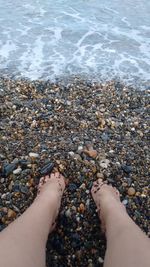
{"x":24,"y":189}
{"x":91,"y":153}
{"x":125,"y":202}
{"x":131,"y":191}
{"x":77,"y":157}
{"x":11,"y":214}
{"x":100,"y":260}
{"x":71,"y":153}
{"x":17,"y":171}
{"x":68,"y":213}
{"x":81,"y":208}
{"x":100,"y":175}
{"x":80,"y":149}
{"x":2,"y":156}
{"x":8,"y":169}
{"x":33,"y":155}
{"x":72,"y":187}
{"x":2,"y":180}
{"x":83,"y":186}
{"x":126,"y":168}
{"x":104,"y":163}
{"x":46,"y":169}
{"x":105,"y":137}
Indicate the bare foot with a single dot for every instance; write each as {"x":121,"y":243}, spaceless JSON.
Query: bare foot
{"x":106,"y":197}
{"x":50,"y":191}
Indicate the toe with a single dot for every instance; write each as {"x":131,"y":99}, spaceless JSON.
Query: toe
{"x":61,"y":180}
{"x":100,"y":181}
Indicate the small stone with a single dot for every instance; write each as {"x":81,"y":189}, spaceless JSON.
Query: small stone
{"x":81,"y":208}
{"x":105,"y":137}
{"x":2,"y":156}
{"x":77,"y":157}
{"x":126,"y":168}
{"x":136,"y":123}
{"x":71,"y":154}
{"x":100,"y":175}
{"x":47,"y":169}
{"x":83,"y":186}
{"x":131,"y":191}
{"x":91,"y":153}
{"x":88,"y":203}
{"x":100,"y":260}
{"x":102,"y":122}
{"x":141,"y":133}
{"x":74,"y":209}
{"x":8,"y":169}
{"x":10,"y":185}
{"x":124,"y":184}
{"x":5,"y":210}
{"x":2,"y":180}
{"x":68,"y":213}
{"x":102,"y":110}
{"x":72,"y":187}
{"x":24,"y":189}
{"x":15,"y":161}
{"x":17,"y":171}
{"x":11,"y":214}
{"x":3,"y":196}
{"x":104,"y":163}
{"x":125,"y":202}
{"x":33,"y":155}
{"x":80,"y":149}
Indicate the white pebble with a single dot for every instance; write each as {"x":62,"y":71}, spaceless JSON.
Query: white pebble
{"x":80,"y":148}
{"x":104,"y":163}
{"x":100,"y":260}
{"x":33,"y":155}
{"x":125,"y":202}
{"x":68,"y":213}
{"x":71,"y":153}
{"x":17,"y":171}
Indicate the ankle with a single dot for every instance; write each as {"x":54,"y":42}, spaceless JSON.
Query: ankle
{"x":116,"y":211}
{"x":117,"y":219}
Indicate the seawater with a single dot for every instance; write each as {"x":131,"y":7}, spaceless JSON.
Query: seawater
{"x":103,"y":39}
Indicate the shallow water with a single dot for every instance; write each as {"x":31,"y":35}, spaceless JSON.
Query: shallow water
{"x":48,"y":39}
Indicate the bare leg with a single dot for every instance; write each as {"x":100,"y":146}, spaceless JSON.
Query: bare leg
{"x":127,"y":245}
{"x":23,"y":242}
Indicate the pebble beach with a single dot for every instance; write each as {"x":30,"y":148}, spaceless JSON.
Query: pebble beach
{"x":87,"y":130}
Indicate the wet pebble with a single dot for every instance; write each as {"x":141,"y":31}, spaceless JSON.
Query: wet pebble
{"x":131,"y":191}
{"x":104,"y":163}
{"x":126,"y":168}
{"x":17,"y":171}
{"x":8,"y":169}
{"x":33,"y":155}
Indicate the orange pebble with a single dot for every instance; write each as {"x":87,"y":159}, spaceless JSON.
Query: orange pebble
{"x":82,"y":208}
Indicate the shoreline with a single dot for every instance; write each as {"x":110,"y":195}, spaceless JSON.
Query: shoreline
{"x":62,"y":124}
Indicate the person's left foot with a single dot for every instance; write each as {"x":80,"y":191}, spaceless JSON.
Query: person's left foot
{"x":50,"y":190}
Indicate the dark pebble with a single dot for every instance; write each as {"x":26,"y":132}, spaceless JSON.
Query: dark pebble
{"x":47,"y":169}
{"x":23,"y":163}
{"x":126,"y":168}
{"x":24,"y":189}
{"x":72,"y":187}
{"x":16,"y":188}
{"x":8,"y":169}
{"x":105,"y":137}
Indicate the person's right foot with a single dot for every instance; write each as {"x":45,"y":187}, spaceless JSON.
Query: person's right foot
{"x":106,"y":198}
{"x":50,"y":190}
